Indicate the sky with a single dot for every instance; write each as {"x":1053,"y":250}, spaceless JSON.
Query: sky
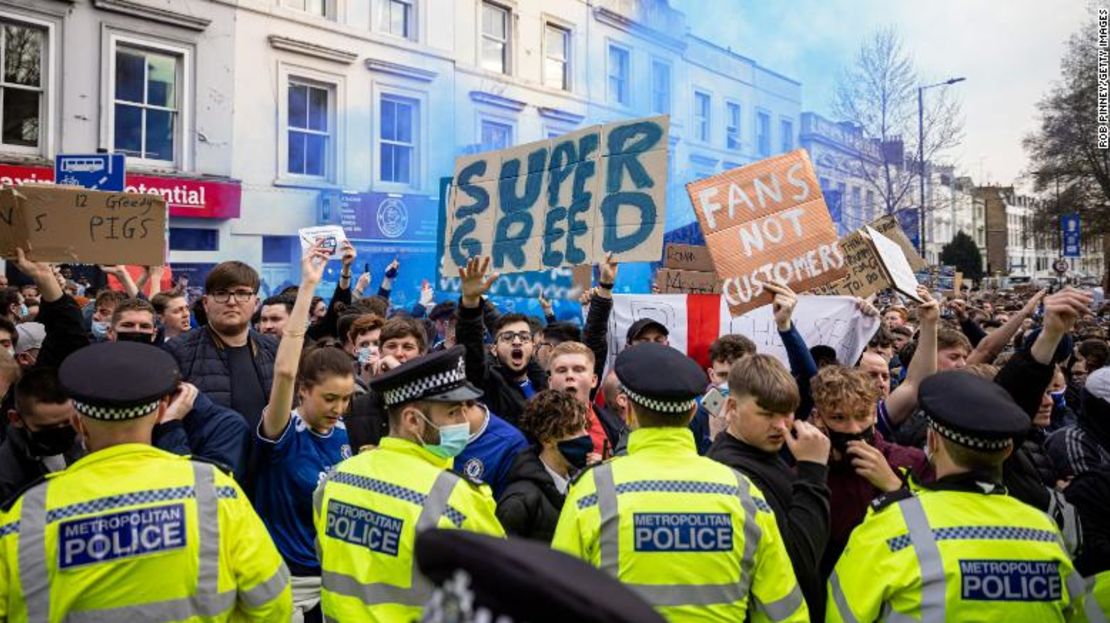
{"x":1009,"y":51}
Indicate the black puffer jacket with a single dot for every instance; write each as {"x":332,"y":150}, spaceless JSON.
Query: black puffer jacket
{"x":202,"y":359}
{"x":530,"y":505}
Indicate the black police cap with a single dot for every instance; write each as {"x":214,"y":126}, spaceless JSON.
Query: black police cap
{"x":971,"y":411}
{"x":438,"y":376}
{"x":643,"y":324}
{"x":521,"y":580}
{"x":659,"y":377}
{"x":118,"y":380}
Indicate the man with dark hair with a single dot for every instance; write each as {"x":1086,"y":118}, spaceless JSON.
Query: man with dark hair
{"x":132,"y":321}
{"x":226,"y":347}
{"x":273,"y":315}
{"x":823,"y":355}
{"x":8,"y":335}
{"x":1094,"y":352}
{"x":172,"y":309}
{"x":724,"y":351}
{"x":41,"y":438}
{"x":103,"y":307}
{"x":551,"y":336}
{"x":444,"y":317}
{"x":403,"y":338}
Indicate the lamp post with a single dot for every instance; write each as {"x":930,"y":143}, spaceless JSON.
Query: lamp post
{"x":921,"y":152}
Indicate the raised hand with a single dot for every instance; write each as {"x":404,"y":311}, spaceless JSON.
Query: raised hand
{"x":313,"y":262}
{"x":929,"y":309}
{"x":347,"y":254}
{"x":783,"y":304}
{"x":475,"y":283}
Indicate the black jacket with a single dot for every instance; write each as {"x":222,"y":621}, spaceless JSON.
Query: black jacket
{"x":799,"y":498}
{"x":202,"y":359}
{"x":18,"y":468}
{"x":1026,"y":380}
{"x":596,"y":335}
{"x":530,"y":504}
{"x":327,"y":325}
{"x":65,"y":331}
{"x":499,"y":392}
{"x":367,"y":422}
{"x":1090,"y":493}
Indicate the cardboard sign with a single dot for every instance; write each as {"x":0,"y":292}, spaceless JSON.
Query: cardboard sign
{"x":562,"y":202}
{"x":894,"y":264}
{"x":688,"y":257}
{"x":678,"y":281}
{"x":865,"y":272}
{"x":68,"y":224}
{"x":767,"y":221}
{"x":889,"y":227}
{"x":332,"y":236}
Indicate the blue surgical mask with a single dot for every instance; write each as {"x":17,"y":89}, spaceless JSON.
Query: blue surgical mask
{"x":452,"y":439}
{"x":576,"y":450}
{"x":100,"y":329}
{"x":1058,"y":398}
{"x":23,"y":311}
{"x":365,"y":355}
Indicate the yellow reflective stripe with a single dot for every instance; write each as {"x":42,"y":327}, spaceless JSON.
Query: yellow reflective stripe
{"x":376,"y":592}
{"x":609,"y":534}
{"x":839,"y":599}
{"x":782,"y":608}
{"x":169,"y":610}
{"x":33,"y":576}
{"x":265,"y":592}
{"x":752,"y":532}
{"x":933,"y":600}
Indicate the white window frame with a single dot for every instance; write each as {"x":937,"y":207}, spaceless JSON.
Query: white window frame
{"x":507,"y":54}
{"x":782,"y":139}
{"x":331,"y":11}
{"x":656,"y":61}
{"x":731,"y":128}
{"x":770,"y":132}
{"x":334,"y":174}
{"x":329,"y":152}
{"x":420,"y":137}
{"x":568,"y":82}
{"x":49,"y":85}
{"x":609,"y":46}
{"x":488,"y":118}
{"x":695,"y":115}
{"x":417,"y":132}
{"x":382,"y":27}
{"x":183,"y":132}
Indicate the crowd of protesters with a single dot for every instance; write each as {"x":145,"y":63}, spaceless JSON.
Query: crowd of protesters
{"x":278,"y":391}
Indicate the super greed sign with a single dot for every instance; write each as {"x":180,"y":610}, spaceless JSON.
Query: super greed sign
{"x":562,"y":202}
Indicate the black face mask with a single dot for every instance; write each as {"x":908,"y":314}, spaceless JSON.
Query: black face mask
{"x":840,"y":440}
{"x":50,"y":441}
{"x":142,"y":338}
{"x":576,"y":451}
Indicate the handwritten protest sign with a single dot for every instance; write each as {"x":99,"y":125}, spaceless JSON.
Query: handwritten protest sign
{"x":888,"y":226}
{"x":688,"y":257}
{"x":69,"y":224}
{"x":865,"y":273}
{"x":767,"y":221}
{"x":676,"y":280}
{"x":894,"y":263}
{"x":831,"y":320}
{"x":562,"y":202}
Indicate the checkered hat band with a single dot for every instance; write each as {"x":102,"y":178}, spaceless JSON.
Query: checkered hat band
{"x":663,"y":406}
{"x":967,"y":440}
{"x":115,"y":413}
{"x":434,"y":384}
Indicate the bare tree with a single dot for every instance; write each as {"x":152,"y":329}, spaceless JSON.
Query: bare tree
{"x":877,"y":93}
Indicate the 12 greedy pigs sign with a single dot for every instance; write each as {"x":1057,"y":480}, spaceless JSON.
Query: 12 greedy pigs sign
{"x":764,"y":222}
{"x":565,"y":201}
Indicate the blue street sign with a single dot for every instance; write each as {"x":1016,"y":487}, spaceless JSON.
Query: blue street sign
{"x":95,"y":172}
{"x":1069,"y":228}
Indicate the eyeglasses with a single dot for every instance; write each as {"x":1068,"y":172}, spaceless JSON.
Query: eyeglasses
{"x":240,"y":296}
{"x":508,"y":336}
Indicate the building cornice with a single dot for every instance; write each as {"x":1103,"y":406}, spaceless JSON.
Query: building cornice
{"x":562,"y":116}
{"x":499,"y":101}
{"x":316,"y":50}
{"x":397,"y":69}
{"x":616,"y":20}
{"x":154,"y":14}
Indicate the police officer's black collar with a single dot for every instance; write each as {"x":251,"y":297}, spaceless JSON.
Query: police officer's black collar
{"x":971,"y":481}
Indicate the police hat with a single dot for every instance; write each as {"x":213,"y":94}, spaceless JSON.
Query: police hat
{"x":659,"y":377}
{"x":118,"y":380}
{"x":438,"y":376}
{"x":643,"y":324}
{"x":971,"y":411}
{"x":483,"y":578}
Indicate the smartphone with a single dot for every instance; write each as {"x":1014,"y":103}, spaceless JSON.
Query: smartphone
{"x":366,"y":267}
{"x":713,"y":401}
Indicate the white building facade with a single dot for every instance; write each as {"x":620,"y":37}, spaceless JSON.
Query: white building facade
{"x":839,"y":152}
{"x":259,"y":117}
{"x":952,"y":208}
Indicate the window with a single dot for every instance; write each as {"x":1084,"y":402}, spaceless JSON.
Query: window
{"x":194,"y":239}
{"x":146,"y":114}
{"x":763,"y":133}
{"x":857,"y":202}
{"x":701,"y":116}
{"x":495,"y":38}
{"x":21,"y":85}
{"x":315,"y":7}
{"x":496,"y":135}
{"x":871,"y":202}
{"x":618,"y":75}
{"x":732,"y":133}
{"x":309,"y":129}
{"x":556,"y":57}
{"x":399,"y":127}
{"x":660,"y":87}
{"x":786,"y":132}
{"x":396,"y":18}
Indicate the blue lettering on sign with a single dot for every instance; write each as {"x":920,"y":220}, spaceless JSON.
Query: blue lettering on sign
{"x":460,"y":239}
{"x":360,"y":526}
{"x":682,"y":532}
{"x":1010,"y":580}
{"x":516,"y":208}
{"x":121,"y":535}
{"x":625,"y":158}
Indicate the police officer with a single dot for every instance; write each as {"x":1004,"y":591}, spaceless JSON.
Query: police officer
{"x":960,"y":549}
{"x":371,"y":506}
{"x":691,"y":536}
{"x":130,"y":532}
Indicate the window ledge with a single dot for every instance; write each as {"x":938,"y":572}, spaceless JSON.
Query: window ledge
{"x":165,"y":16}
{"x":289,"y":182}
{"x":499,"y":101}
{"x":564,"y":116}
{"x":312,"y":49}
{"x":397,"y":69}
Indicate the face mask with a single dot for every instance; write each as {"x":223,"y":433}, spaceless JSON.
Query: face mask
{"x":365,"y":355}
{"x":1057,"y":399}
{"x":452,"y":439}
{"x":23,"y":311}
{"x":50,"y":441}
{"x":840,"y":440}
{"x":135,"y":336}
{"x":575,"y":450}
{"x":100,"y":329}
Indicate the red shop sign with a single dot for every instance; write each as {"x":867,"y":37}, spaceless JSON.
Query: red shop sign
{"x":191,"y":198}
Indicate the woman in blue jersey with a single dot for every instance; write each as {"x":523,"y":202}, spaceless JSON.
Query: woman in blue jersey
{"x":296,"y":447}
